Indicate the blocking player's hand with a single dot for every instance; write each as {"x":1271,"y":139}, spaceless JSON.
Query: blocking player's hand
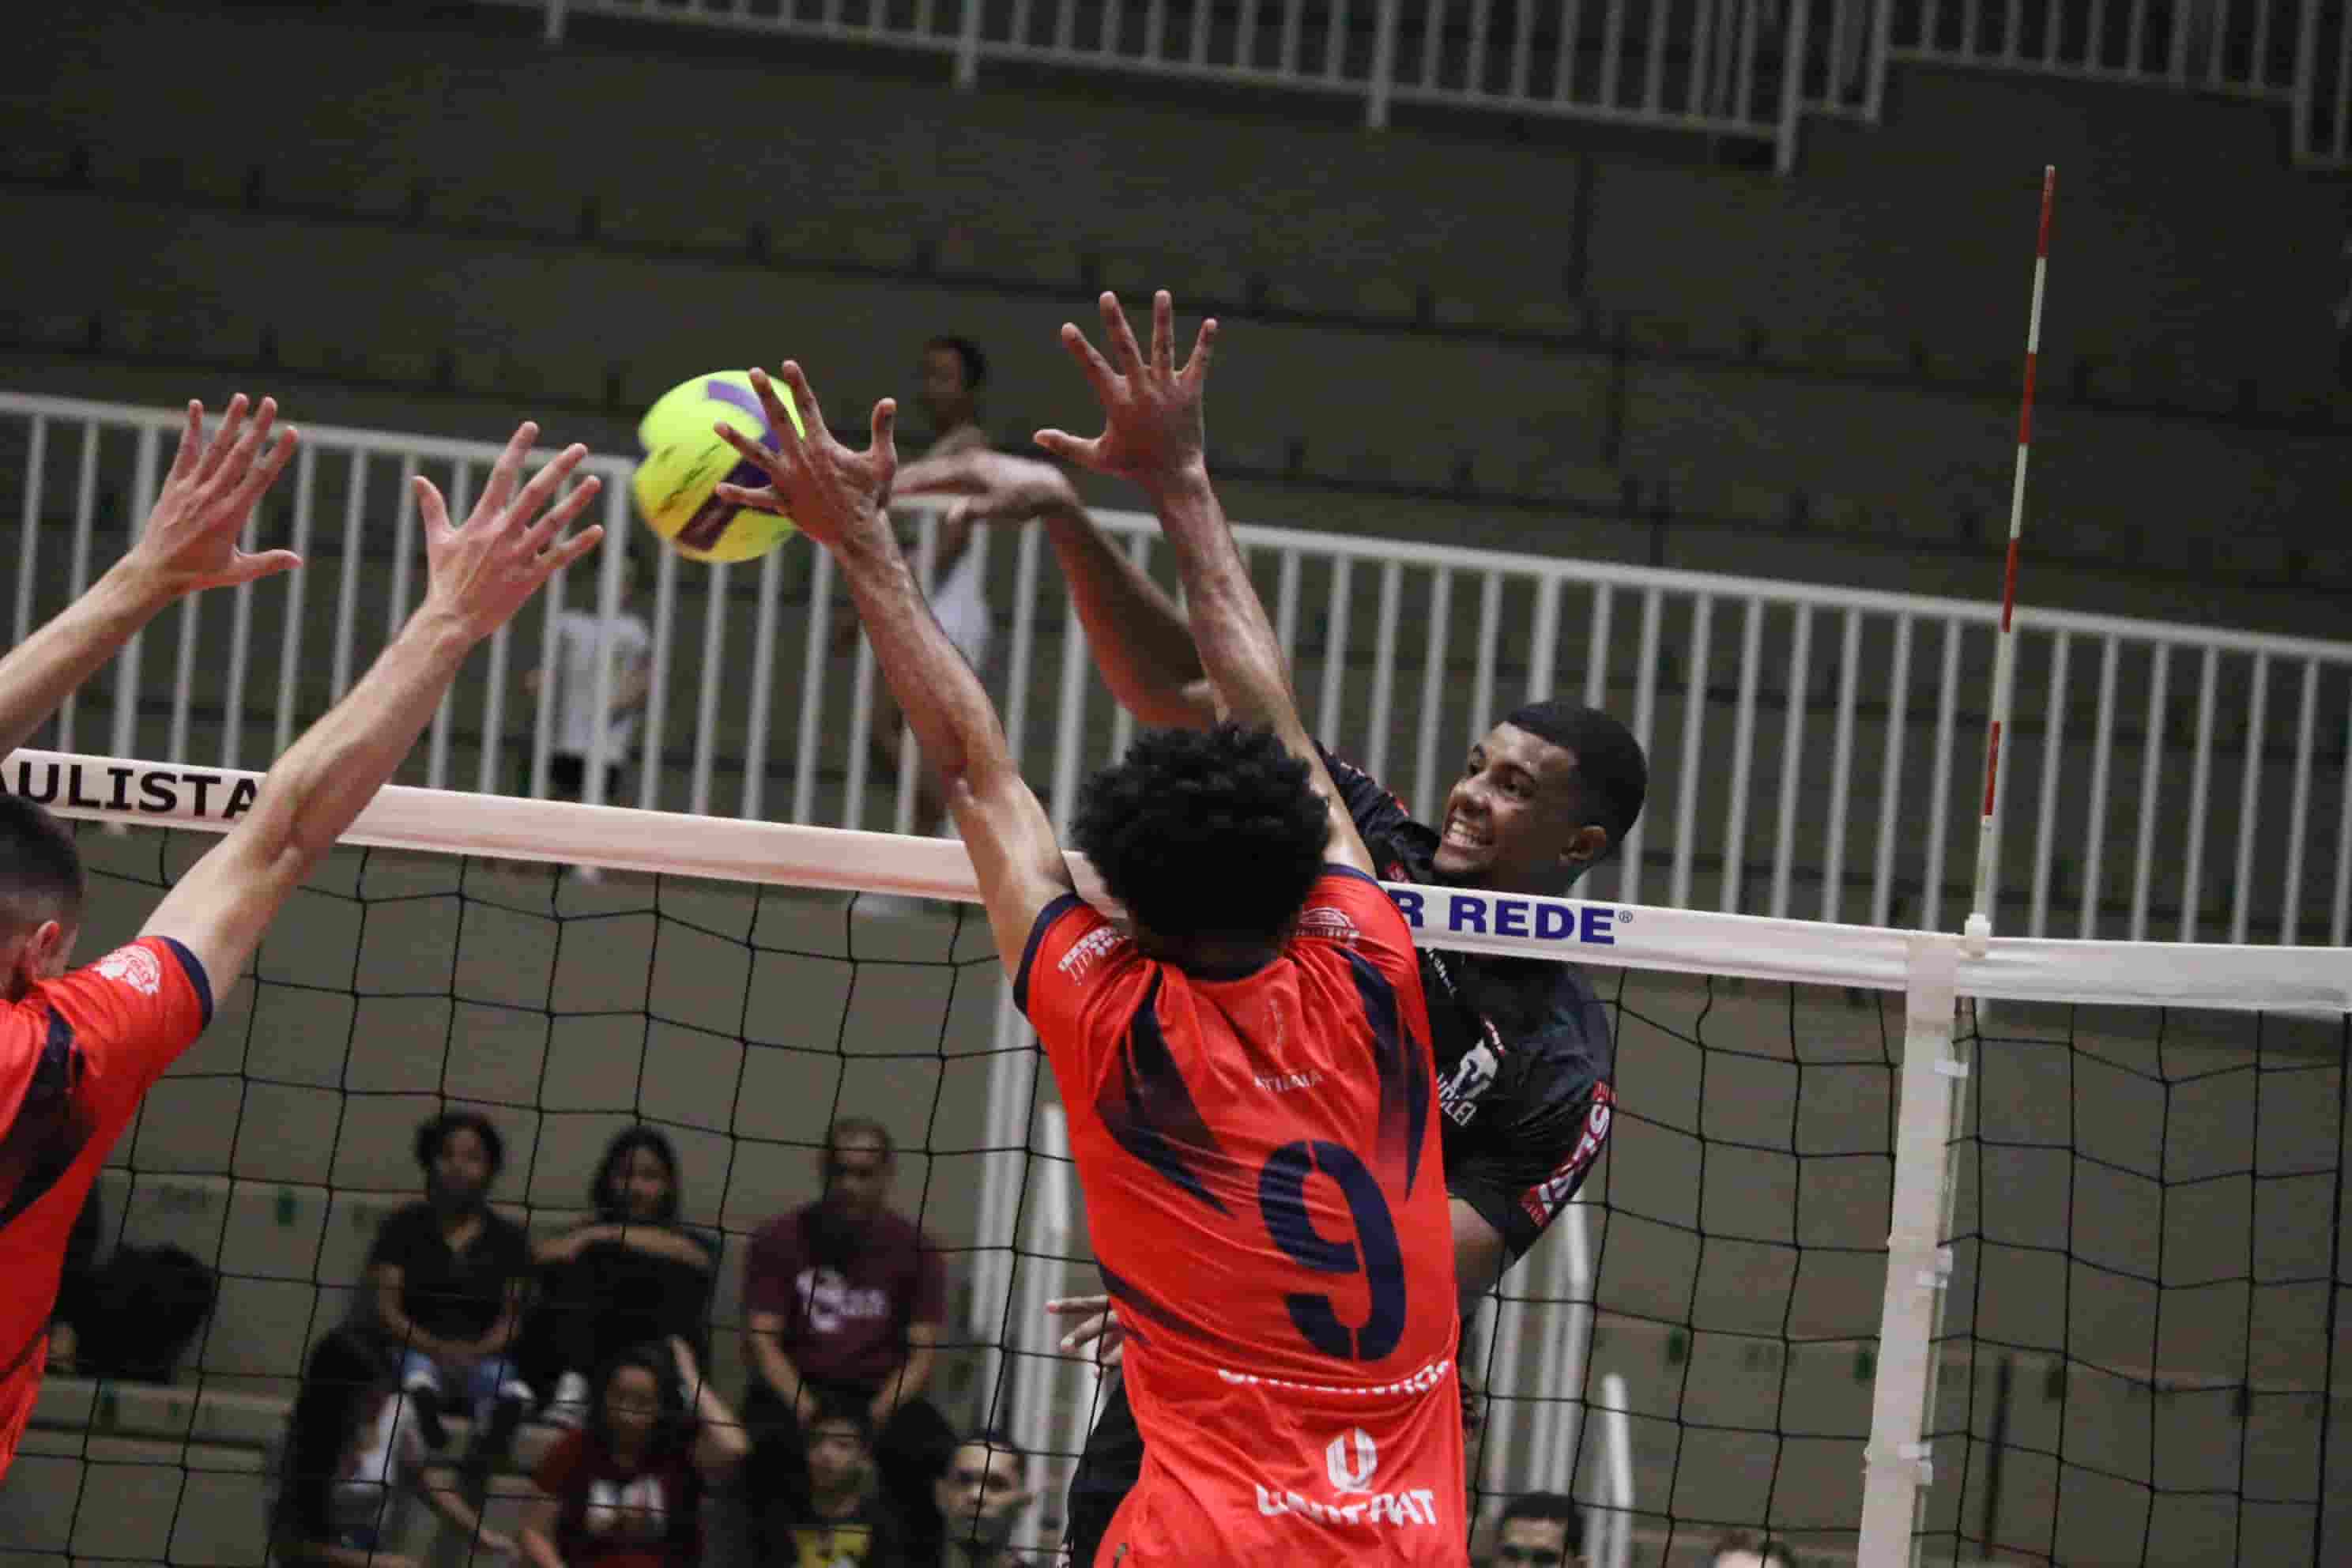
{"x":484,"y":572}
{"x":989,"y":486}
{"x":1152,"y":430}
{"x":837,"y":497}
{"x":1097,"y":1325}
{"x":190,"y":541}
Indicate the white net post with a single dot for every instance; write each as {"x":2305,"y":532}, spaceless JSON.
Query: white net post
{"x":1897,"y":1466}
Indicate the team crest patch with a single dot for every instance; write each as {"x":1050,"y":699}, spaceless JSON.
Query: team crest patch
{"x":1329,"y":924}
{"x":135,"y":967}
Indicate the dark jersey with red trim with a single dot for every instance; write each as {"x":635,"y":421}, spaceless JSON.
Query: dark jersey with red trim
{"x":1263,"y":1194}
{"x":1523,"y":1050}
{"x":78,"y":1052}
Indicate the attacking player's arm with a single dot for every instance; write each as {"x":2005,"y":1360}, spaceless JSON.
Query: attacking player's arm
{"x":189,"y":543}
{"x":481,"y":574}
{"x":1135,"y":630}
{"x":1152,"y":436}
{"x":838,"y":498}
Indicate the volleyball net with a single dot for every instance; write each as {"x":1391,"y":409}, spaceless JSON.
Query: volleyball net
{"x":2030,"y":1252}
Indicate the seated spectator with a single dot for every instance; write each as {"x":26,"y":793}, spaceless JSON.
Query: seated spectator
{"x":625,"y":1490}
{"x":351,"y":1457}
{"x":978,"y":1500}
{"x":77,"y":1302}
{"x":1751,"y":1549}
{"x":450,"y":1276}
{"x":843,"y":1301}
{"x":844,"y":1523}
{"x":632,"y":1276}
{"x":1541,"y":1529}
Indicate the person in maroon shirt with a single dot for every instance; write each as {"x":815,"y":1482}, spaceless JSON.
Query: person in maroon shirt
{"x":625,"y":1490}
{"x":844,"y":1299}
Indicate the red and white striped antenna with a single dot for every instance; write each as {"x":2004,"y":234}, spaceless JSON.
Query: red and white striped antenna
{"x":2004,"y":665}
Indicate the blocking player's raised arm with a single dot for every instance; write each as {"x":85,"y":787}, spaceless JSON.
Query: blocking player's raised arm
{"x":840,"y":498}
{"x":480,"y":576}
{"x":1135,"y":630}
{"x":1153,"y":435}
{"x":189,"y":543}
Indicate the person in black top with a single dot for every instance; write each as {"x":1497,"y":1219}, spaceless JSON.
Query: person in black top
{"x":631,"y":1276}
{"x":448,"y":1274}
{"x":1522,"y":1045}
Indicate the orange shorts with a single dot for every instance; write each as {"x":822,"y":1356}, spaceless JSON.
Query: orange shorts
{"x":1252,"y":1473}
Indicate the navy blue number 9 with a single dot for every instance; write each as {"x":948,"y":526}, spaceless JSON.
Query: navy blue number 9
{"x":1282,"y":1199}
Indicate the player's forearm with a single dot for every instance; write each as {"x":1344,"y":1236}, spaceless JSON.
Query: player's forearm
{"x":946,"y":706}
{"x":326,"y":778}
{"x":49,"y":666}
{"x":1230,"y":630}
{"x":1137,"y":635}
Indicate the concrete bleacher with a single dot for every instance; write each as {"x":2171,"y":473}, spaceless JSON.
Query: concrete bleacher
{"x":1834,"y":344}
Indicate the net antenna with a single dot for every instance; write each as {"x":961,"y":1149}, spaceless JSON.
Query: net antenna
{"x":2004,"y":663}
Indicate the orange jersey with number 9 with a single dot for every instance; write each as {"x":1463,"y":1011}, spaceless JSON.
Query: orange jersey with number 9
{"x":1261,"y":1164}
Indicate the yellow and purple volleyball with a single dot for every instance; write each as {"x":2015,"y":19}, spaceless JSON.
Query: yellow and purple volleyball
{"x":677,"y":483}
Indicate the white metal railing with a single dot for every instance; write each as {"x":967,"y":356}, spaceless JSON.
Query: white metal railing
{"x":1710,"y":66}
{"x":2165,"y":781}
{"x":1739,"y":68}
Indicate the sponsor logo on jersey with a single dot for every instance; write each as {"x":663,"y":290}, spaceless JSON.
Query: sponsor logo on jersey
{"x":1351,"y":1459}
{"x":132,"y":966}
{"x":1088,"y":950}
{"x":1544,"y":1199}
{"x":1283,"y":1082}
{"x":1416,"y":1505}
{"x":1329,"y":923}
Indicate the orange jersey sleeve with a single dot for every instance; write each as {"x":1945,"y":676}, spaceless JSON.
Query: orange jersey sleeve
{"x":77,"y":1054}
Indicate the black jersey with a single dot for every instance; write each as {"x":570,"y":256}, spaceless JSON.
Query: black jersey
{"x":1524,"y":1056}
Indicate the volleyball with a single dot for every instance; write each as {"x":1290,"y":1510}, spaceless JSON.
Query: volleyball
{"x":676,"y":483}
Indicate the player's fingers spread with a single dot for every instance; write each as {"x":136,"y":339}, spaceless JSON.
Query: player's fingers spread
{"x":772,"y":464}
{"x":559,"y":517}
{"x":430,"y":507}
{"x":548,"y":481}
{"x":1204,"y":350}
{"x":223,"y":439}
{"x":804,"y":399}
{"x":1125,"y":352}
{"x":1163,"y":333}
{"x":507,"y":470}
{"x":252,"y":568}
{"x":571,"y":551}
{"x":1099,"y":373}
{"x":758,"y":501}
{"x":771,"y":404}
{"x":192,"y":441}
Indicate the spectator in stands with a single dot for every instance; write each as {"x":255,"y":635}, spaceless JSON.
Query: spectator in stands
{"x":953,"y":370}
{"x":1541,"y":1529}
{"x":844,"y":1522}
{"x":632,"y":1276}
{"x":449,"y":1275}
{"x":350,"y":1458}
{"x":1751,"y":1549}
{"x":978,"y":1500}
{"x":77,"y":1286}
{"x":625,"y":1490}
{"x":581,"y":636}
{"x":842,"y":1300}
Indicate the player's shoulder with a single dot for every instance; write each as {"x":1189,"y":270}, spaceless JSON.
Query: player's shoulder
{"x":1344,"y":907}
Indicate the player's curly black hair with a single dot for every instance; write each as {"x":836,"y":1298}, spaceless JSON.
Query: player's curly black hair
{"x":1215,"y":833}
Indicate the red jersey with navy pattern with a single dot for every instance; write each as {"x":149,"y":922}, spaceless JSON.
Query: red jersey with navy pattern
{"x":1261,"y":1165}
{"x":77,"y":1054}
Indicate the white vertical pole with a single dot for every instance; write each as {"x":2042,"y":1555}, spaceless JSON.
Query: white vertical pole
{"x":706,"y":699}
{"x":1841,"y":765}
{"x":1743,"y":744}
{"x":655,"y":733}
{"x":2102,"y":751}
{"x":1694,"y":732}
{"x":1947,"y":705}
{"x":2306,"y":735}
{"x":1645,"y":702}
{"x":289,"y":638}
{"x":1793,"y":745}
{"x":2199,"y":775}
{"x":1895,"y":1467}
{"x":612,"y":559}
{"x":2250,"y":801}
{"x":1890,"y":783}
{"x":542,"y":724}
{"x":1122,"y":722}
{"x":2151,"y":774}
{"x":28,"y":546}
{"x":240,"y":654}
{"x":927,"y":576}
{"x":1490,"y":617}
{"x":1384,"y":641}
{"x":810,"y":734}
{"x":1620,"y":1453}
{"x":764,"y":685}
{"x":436,"y":768}
{"x":1337,"y":605}
{"x":85,"y":520}
{"x":2053,"y":737}
{"x":1433,"y":689}
{"x":1543,"y":647}
{"x":126,"y":668}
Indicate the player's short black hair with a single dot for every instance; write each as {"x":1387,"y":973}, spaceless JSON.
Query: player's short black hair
{"x":1610,"y":767}
{"x":975,"y":363}
{"x":40,"y":868}
{"x":1213,"y":832}
{"x":1547,"y":1508}
{"x":436,"y":1133}
{"x":1772,"y":1553}
{"x":625,"y":1142}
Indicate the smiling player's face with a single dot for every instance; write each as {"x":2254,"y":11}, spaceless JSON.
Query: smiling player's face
{"x":1513,"y":819}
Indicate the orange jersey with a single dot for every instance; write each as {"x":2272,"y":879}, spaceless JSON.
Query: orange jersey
{"x":1261,"y":1164}
{"x":76,"y":1056}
